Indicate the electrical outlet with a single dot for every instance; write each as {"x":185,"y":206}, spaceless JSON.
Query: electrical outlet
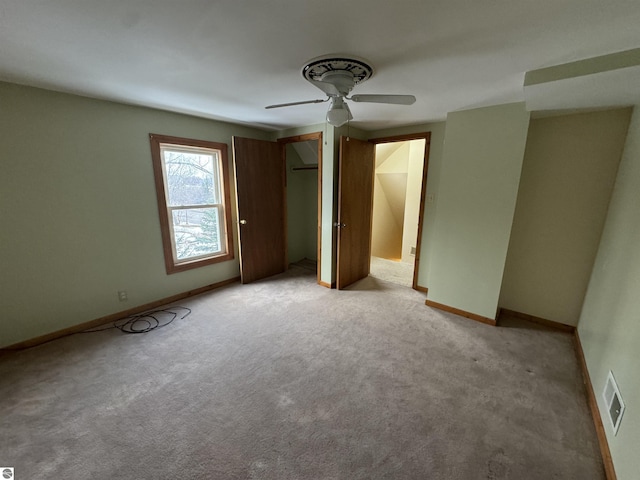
{"x":122,"y":295}
{"x":614,"y":402}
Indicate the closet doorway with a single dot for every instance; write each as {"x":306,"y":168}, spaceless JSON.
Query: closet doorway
{"x":398,"y":206}
{"x":303,"y":170}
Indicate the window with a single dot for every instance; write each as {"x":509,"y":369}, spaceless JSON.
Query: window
{"x":193,"y":200}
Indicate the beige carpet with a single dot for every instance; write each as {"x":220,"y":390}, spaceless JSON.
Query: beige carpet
{"x":392,"y":271}
{"x":284,"y":379}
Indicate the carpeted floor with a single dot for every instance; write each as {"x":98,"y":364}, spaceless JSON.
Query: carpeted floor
{"x":392,"y":271}
{"x":284,"y":379}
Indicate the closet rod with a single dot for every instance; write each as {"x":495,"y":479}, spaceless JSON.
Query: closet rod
{"x":312,"y":167}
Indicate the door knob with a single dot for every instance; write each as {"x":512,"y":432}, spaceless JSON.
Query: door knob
{"x":242,"y":222}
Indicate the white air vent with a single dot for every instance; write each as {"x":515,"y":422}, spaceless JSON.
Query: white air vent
{"x":613,"y":401}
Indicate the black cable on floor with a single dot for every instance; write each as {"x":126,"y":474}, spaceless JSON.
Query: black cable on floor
{"x":146,"y":321}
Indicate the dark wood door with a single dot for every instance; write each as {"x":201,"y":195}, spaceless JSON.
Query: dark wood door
{"x":355,"y":203}
{"x":260,"y":193}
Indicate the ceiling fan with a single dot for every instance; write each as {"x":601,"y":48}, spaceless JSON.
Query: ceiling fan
{"x":336,"y":76}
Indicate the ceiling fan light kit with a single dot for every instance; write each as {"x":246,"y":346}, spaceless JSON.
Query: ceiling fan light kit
{"x":338,"y":113}
{"x":336,"y":76}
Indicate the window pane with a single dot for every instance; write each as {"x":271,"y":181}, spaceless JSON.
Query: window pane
{"x":191,"y":177}
{"x":196,"y":232}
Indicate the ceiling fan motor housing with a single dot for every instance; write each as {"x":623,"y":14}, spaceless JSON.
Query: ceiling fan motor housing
{"x":343,"y":80}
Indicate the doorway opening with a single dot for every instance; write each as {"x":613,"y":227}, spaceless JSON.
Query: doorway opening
{"x":398,"y":204}
{"x":303,"y":170}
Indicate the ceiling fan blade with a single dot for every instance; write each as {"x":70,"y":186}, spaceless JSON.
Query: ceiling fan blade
{"x":392,"y":99}
{"x":291,"y":104}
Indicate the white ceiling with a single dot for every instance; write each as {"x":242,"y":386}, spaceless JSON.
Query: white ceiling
{"x":228,"y":59}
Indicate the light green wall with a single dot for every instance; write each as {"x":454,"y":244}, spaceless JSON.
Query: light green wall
{"x":609,"y":325}
{"x":478,"y":186}
{"x":302,"y":209}
{"x":433,"y":179}
{"x":79,"y":214}
{"x":569,"y":169}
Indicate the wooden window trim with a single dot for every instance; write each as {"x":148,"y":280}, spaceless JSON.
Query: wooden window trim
{"x":171,"y":266}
